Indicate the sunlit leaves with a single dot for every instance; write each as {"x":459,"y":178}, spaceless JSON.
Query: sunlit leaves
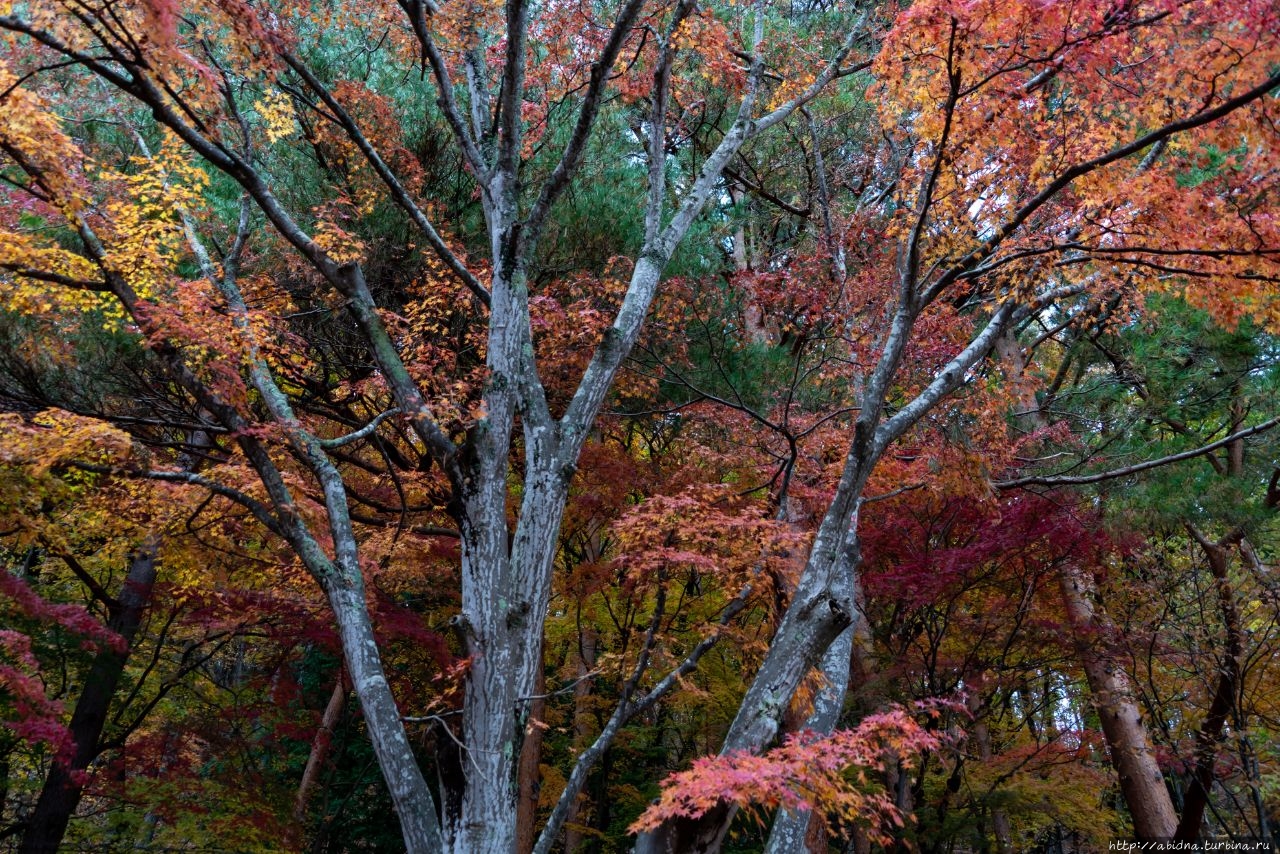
{"x":1061,"y":84}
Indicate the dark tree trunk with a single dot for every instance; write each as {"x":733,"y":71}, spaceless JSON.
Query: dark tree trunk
{"x":63,"y":787}
{"x":527,"y":773}
{"x":1210,"y":736}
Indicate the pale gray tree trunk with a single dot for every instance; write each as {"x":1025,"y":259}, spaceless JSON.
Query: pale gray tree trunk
{"x":791,"y":827}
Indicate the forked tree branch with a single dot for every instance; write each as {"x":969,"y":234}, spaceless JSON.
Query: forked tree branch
{"x":592,"y":99}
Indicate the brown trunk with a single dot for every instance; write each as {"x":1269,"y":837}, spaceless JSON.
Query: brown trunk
{"x":63,"y":787}
{"x":527,"y":771}
{"x":581,"y":729}
{"x":1141,"y":782}
{"x":859,"y":842}
{"x":815,"y":836}
{"x":752,"y":315}
{"x":982,"y":738}
{"x":1210,"y":736}
{"x":321,"y":743}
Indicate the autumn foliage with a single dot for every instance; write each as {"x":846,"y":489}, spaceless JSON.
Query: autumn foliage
{"x":687,"y":426}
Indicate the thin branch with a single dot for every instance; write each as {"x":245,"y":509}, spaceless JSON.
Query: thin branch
{"x":988,"y":247}
{"x":1123,"y":471}
{"x":571,"y":159}
{"x":447,"y":103}
{"x":624,"y":712}
{"x":362,"y":433}
{"x":99,"y":592}
{"x":511,"y":99}
{"x":259,"y":510}
{"x":398,"y":192}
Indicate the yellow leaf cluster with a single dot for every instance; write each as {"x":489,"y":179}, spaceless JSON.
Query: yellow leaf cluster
{"x":144,"y":218}
{"x":276,"y":111}
{"x":340,"y":245}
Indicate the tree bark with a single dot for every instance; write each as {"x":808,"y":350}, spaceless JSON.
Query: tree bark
{"x":527,"y":771}
{"x":1141,"y":781}
{"x":64,"y":784}
{"x":792,"y":828}
{"x":321,"y":744}
{"x":505,"y":595}
{"x":982,"y":738}
{"x":418,"y":822}
{"x":1210,"y":735}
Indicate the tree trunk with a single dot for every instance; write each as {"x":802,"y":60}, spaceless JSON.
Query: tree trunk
{"x":505,"y":593}
{"x":527,"y":772}
{"x":1141,"y":782}
{"x":587,"y":648}
{"x":821,"y":610}
{"x":791,"y":829}
{"x":321,"y":744}
{"x":64,"y":785}
{"x":982,"y":738}
{"x":1209,"y":737}
{"x":418,"y":823}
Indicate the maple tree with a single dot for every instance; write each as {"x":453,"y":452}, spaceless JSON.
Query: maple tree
{"x":440,"y":425}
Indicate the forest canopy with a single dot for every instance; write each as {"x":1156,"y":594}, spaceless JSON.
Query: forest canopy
{"x":645,"y":425}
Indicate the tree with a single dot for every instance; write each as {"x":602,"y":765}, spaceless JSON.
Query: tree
{"x":1180,"y":383}
{"x":1097,"y":109}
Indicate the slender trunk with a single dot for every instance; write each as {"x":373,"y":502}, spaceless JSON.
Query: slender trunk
{"x":898,"y":783}
{"x":752,"y":314}
{"x":400,"y":770}
{"x":1210,"y":736}
{"x":823,"y":605}
{"x":1141,"y":782}
{"x":982,"y":738}
{"x":859,"y":842}
{"x":587,"y":648}
{"x":820,"y":612}
{"x":527,"y":772}
{"x":790,"y":658}
{"x":64,"y":785}
{"x":321,"y":744}
{"x":1249,"y":761}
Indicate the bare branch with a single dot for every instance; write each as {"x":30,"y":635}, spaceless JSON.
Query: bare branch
{"x":571,"y":159}
{"x":953,"y":373}
{"x":362,"y":433}
{"x":660,"y":242}
{"x":1069,"y":175}
{"x":348,"y":279}
{"x":416,"y":10}
{"x":1124,"y":471}
{"x":399,"y":194}
{"x":510,"y":118}
{"x":259,"y":510}
{"x":625,"y":711}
